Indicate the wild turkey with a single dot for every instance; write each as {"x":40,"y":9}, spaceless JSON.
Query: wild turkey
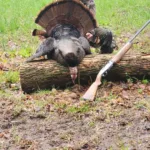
{"x":66,"y":24}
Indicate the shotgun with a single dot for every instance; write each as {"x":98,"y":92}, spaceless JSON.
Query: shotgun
{"x":91,"y":92}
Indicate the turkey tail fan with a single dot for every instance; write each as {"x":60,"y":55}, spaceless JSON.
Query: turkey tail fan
{"x":66,"y":12}
{"x":37,"y":32}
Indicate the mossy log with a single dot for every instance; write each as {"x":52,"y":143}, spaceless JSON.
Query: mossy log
{"x":45,"y":74}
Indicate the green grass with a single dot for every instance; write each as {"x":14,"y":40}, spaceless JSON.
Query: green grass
{"x":123,"y":15}
{"x":9,"y":77}
{"x":17,"y":18}
{"x":79,"y":109}
{"x":17,"y":22}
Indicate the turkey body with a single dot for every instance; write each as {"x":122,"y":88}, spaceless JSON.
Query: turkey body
{"x":66,"y":24}
{"x":69,"y":51}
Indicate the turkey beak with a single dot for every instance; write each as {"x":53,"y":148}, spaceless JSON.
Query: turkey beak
{"x":73,"y":73}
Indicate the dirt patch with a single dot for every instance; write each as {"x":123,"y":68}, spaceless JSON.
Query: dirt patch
{"x":119,"y":118}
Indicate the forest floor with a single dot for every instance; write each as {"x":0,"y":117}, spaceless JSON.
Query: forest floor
{"x":119,"y":119}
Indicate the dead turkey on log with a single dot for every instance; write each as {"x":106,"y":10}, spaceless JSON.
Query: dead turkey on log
{"x":66,"y":24}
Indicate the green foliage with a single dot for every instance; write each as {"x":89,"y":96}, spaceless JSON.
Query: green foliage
{"x":140,"y":91}
{"x":111,"y":96}
{"x":44,"y":92}
{"x":145,"y":81}
{"x":25,"y":52}
{"x":9,"y":77}
{"x":79,"y":109}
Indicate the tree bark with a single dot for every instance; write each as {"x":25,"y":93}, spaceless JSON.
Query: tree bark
{"x":45,"y":74}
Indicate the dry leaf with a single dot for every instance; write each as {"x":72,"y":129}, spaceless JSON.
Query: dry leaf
{"x":125,"y":95}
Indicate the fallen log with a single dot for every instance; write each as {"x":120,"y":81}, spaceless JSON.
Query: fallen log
{"x":46,"y":74}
